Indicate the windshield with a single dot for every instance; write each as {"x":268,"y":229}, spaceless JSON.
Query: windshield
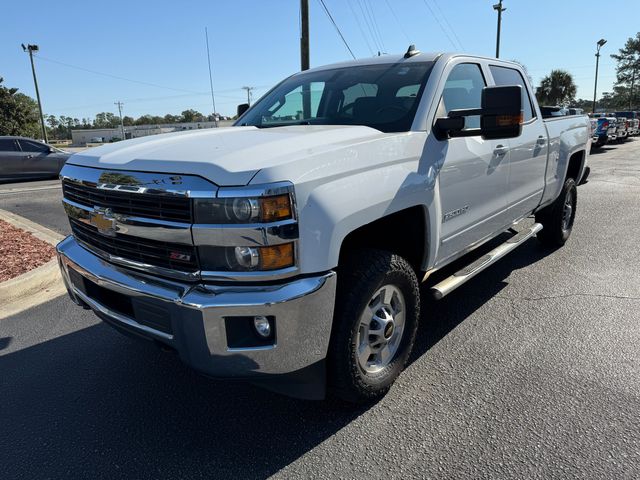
{"x":382,"y":96}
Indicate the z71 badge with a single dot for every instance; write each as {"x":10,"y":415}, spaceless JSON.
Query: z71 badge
{"x":455,"y":213}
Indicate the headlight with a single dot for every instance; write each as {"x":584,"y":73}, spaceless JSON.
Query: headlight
{"x":246,"y":259}
{"x":243,"y":209}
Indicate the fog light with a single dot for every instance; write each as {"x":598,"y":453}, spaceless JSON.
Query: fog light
{"x":262,"y":326}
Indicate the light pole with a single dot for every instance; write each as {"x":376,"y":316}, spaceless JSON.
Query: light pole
{"x":498,"y":7}
{"x":34,"y":48}
{"x":599,"y":45}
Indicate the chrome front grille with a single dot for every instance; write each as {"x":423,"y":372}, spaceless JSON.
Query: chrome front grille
{"x":147,"y":252}
{"x":128,"y":200}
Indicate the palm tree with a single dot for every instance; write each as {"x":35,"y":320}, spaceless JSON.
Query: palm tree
{"x":556,"y":89}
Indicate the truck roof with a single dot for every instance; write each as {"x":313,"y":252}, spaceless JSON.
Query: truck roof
{"x":419,"y":57}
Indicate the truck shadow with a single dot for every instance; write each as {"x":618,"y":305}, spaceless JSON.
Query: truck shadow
{"x":96,"y":403}
{"x":438,"y":318}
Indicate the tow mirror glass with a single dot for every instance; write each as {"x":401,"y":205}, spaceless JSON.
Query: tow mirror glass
{"x":502,"y":114}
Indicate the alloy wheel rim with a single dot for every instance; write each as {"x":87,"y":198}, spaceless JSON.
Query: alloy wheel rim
{"x":380,"y":329}
{"x":567,"y":211}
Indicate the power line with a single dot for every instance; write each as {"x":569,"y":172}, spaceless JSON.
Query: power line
{"x":360,"y":27}
{"x":337,"y":28}
{"x":453,"y":30}
{"x":369,"y":27}
{"x":393,"y":12}
{"x":115,"y":76}
{"x":440,"y":24}
{"x":369,"y":8}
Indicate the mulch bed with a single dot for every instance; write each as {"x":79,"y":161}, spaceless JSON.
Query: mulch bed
{"x":20,"y":251}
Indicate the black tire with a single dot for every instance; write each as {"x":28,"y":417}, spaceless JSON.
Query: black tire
{"x":555,"y":230}
{"x":358,"y":280}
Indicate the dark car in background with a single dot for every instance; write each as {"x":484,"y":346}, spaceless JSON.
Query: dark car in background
{"x":27,"y":159}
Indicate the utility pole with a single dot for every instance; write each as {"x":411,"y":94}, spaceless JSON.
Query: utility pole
{"x":599,"y":45}
{"x":120,"y":105}
{"x":304,"y":35}
{"x":34,"y":48}
{"x":633,"y":80}
{"x":498,"y":7}
{"x":304,"y":56}
{"x":248,"y":89}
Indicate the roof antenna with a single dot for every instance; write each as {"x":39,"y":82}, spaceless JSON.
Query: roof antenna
{"x":411,"y":51}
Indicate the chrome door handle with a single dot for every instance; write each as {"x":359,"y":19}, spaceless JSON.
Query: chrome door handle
{"x":29,"y":156}
{"x":500,"y":150}
{"x":541,"y":140}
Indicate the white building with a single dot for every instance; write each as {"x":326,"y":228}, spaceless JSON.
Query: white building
{"x":105,"y":135}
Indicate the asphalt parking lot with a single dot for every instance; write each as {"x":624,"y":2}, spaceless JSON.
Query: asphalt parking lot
{"x":531,"y":370}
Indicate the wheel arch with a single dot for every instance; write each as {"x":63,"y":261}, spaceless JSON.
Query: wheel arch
{"x":405,"y":232}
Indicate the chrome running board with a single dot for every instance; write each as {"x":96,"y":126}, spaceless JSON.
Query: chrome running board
{"x":449,"y":284}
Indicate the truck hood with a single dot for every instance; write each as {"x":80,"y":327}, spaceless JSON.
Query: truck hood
{"x":226,"y":156}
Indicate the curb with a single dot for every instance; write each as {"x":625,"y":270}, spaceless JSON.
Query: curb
{"x":36,"y":286}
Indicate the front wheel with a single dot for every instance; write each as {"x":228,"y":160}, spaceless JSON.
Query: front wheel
{"x":557,"y":218}
{"x":377,"y":313}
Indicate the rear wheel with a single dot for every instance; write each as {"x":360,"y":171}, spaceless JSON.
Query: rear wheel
{"x":377,"y":312}
{"x":557,"y":219}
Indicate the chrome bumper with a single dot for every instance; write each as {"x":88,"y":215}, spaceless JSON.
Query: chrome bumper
{"x":197,"y":315}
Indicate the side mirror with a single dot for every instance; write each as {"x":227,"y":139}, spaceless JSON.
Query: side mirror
{"x":243,"y":107}
{"x":446,"y":127}
{"x":500,"y":116}
{"x":51,"y":150}
{"x":501,"y":112}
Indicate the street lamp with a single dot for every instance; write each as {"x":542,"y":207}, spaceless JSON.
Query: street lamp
{"x":600,"y":43}
{"x":34,"y":48}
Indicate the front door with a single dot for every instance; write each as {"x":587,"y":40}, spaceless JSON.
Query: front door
{"x":473,"y":173}
{"x":37,"y":161}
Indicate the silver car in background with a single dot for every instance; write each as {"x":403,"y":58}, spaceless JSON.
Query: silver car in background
{"x":27,"y":159}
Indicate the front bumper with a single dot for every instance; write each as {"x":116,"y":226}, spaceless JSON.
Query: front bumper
{"x":192,"y":319}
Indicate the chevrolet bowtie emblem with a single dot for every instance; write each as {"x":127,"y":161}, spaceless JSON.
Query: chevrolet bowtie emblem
{"x":103,"y":220}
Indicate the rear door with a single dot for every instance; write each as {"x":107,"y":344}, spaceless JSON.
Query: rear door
{"x":528,"y":153}
{"x":36,"y":159}
{"x":10,"y":158}
{"x":473,"y":172}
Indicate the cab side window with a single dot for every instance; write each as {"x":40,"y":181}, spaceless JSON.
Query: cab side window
{"x":33,"y":147}
{"x":463,"y":90}
{"x":510,"y":76}
{"x":8,"y":145}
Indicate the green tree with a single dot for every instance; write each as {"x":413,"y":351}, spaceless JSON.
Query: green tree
{"x":191,"y":116}
{"x":127,"y":121}
{"x":628,"y":71}
{"x":106,"y":120}
{"x":618,"y":99}
{"x":558,"y":88}
{"x":18,"y":113}
{"x":172,"y":118}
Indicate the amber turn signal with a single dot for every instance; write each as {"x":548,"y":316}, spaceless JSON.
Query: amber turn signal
{"x":276,"y":257}
{"x":276,"y":208}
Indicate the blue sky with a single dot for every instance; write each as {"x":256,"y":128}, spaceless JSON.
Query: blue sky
{"x":256,"y":43}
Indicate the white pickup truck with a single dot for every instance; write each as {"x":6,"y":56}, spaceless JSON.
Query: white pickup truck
{"x":288,"y":250}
